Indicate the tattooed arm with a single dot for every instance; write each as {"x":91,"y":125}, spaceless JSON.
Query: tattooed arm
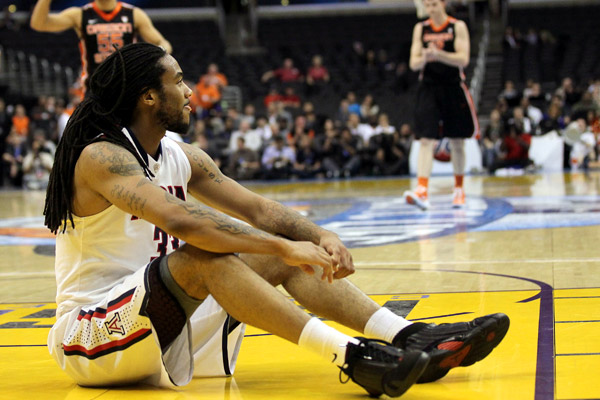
{"x":107,"y":174}
{"x":210,"y":186}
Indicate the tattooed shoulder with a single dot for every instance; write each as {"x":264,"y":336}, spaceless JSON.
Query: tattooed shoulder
{"x":115,"y":158}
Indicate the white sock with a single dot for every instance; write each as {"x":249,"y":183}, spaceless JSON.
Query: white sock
{"x":384,"y":325}
{"x":325,"y":341}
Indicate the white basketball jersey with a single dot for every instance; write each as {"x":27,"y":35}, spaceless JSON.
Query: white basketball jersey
{"x":102,"y":249}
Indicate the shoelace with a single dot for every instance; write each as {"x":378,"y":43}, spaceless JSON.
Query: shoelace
{"x":373,"y":352}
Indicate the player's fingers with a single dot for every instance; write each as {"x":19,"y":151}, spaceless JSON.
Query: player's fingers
{"x":327,"y":274}
{"x":307,"y":269}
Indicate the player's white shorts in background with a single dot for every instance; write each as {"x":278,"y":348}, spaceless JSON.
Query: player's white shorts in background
{"x":112,"y":342}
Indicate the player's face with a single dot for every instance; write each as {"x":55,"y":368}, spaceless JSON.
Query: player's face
{"x":174,"y":98}
{"x":433,"y":7}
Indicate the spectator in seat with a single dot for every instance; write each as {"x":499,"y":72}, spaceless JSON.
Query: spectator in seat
{"x":514,"y":150}
{"x":521,"y":121}
{"x":510,"y":94}
{"x":252,"y":139}
{"x":353,"y":104}
{"x":286,"y":75}
{"x":290,"y":100}
{"x":568,"y":94}
{"x":272,"y":97}
{"x":343,"y":113}
{"x":20,"y":121}
{"x":15,"y":151}
{"x":491,"y":140}
{"x":263,"y":129}
{"x":209,"y":91}
{"x":368,"y":108}
{"x":278,"y":159}
{"x":249,"y":114}
{"x":37,"y":164}
{"x":317,"y":76}
{"x":308,"y":111}
{"x":244,"y":163}
{"x":534,"y":114}
{"x":308,"y":160}
{"x":384,"y":125}
{"x":553,"y":119}
{"x":349,"y":157}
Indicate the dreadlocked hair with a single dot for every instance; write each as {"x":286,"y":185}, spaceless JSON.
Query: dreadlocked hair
{"x":112,"y":94}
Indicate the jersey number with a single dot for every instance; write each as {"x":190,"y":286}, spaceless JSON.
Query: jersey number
{"x":107,"y":40}
{"x":162,"y":237}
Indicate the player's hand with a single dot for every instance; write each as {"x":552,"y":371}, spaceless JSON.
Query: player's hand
{"x":342,"y":259}
{"x":430,"y":53}
{"x":306,"y":254}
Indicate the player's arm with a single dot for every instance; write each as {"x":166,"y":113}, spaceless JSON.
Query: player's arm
{"x":209,"y":185}
{"x":43,"y":20}
{"x":114,"y":174}
{"x":461,"y":56}
{"x":146,"y":29}
{"x":417,"y":58}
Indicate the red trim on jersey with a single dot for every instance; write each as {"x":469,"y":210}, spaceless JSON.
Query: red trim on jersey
{"x":84,"y":64}
{"x":102,"y":315}
{"x":476,"y":132}
{"x":106,"y":346}
{"x":107,"y":16}
{"x":441,"y":27}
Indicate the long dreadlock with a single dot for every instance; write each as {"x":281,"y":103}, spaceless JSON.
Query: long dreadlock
{"x":113,"y":91}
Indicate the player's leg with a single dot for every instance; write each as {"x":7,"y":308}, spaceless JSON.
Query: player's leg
{"x":451,"y":345}
{"x":460,"y":123}
{"x":427,"y":117}
{"x":457,"y":151}
{"x":247,"y":297}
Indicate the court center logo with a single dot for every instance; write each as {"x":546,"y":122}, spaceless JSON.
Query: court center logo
{"x":378,"y":221}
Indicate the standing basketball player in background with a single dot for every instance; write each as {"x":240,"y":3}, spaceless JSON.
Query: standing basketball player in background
{"x":444,"y":108}
{"x":100,"y":25}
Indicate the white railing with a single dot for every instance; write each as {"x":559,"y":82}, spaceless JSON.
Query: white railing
{"x":478,"y":78}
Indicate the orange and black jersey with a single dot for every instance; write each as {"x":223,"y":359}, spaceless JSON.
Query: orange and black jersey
{"x":441,"y":37}
{"x":100,"y":31}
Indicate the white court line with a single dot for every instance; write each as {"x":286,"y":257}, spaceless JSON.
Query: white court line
{"x":50,"y":274}
{"x":471,"y":262}
{"x":9,"y":275}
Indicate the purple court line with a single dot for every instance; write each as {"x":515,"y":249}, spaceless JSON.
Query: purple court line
{"x":544,"y":374}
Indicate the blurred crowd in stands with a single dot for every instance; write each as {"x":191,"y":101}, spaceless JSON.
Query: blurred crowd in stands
{"x":287,"y":137}
{"x":525,"y":110}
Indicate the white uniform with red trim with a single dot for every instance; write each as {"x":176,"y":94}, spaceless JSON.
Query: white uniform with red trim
{"x":100,"y":338}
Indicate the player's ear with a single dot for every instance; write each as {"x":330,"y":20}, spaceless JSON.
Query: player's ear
{"x":149,"y":97}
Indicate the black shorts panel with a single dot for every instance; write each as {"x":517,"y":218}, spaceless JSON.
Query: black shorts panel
{"x":444,"y":111}
{"x":166,"y":314}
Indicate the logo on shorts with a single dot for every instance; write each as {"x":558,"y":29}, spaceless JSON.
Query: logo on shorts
{"x":114,"y":325}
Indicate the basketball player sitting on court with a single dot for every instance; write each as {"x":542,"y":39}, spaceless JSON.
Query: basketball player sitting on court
{"x":101,"y":26}
{"x":156,"y":281}
{"x":440,"y":50}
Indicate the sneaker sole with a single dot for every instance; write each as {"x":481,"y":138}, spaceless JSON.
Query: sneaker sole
{"x":413,"y":200}
{"x":478,"y":344}
{"x":397,"y":385}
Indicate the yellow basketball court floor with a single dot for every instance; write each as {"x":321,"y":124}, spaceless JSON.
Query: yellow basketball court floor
{"x":526,"y":246}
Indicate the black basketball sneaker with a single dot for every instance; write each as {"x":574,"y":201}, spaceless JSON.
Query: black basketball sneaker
{"x":453,"y":345}
{"x":381,"y":368}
